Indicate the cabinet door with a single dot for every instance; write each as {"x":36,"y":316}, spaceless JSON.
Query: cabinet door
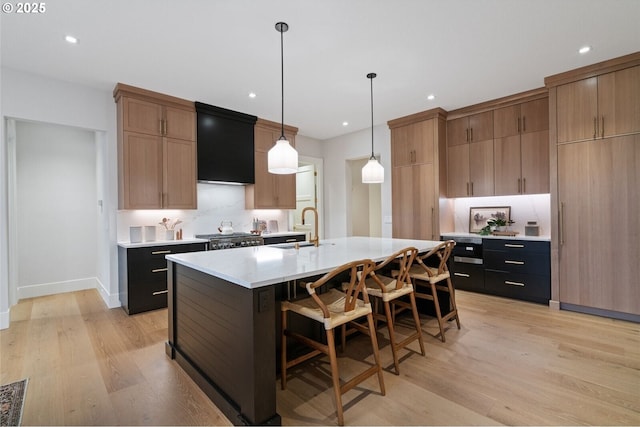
{"x":180,"y":174}
{"x":577,"y":110}
{"x":457,"y":131}
{"x":534,"y":115}
{"x":142,"y":171}
{"x":481,"y":168}
{"x":575,"y":224}
{"x":141,"y":116}
{"x":181,"y":124}
{"x":619,"y":102}
{"x":481,"y":127}
{"x":506,"y":121}
{"x":413,"y":202}
{"x":421,"y":140}
{"x":400,"y":151}
{"x":458,"y":171}
{"x":402,"y":202}
{"x":508,"y":178}
{"x":534,"y":149}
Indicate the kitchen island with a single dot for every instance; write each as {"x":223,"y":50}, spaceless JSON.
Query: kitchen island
{"x":223,"y":310}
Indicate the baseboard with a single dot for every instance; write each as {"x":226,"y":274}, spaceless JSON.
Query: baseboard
{"x":554,"y":305}
{"x":601,"y":312}
{"x":43,"y":289}
{"x":111,"y":300}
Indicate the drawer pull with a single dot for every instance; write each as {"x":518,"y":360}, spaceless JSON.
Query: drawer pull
{"x":506,"y":261}
{"x":511,"y":245}
{"x":291,"y":240}
{"x":461,"y":274}
{"x":509,"y":282}
{"x":161,"y":292}
{"x":160,"y":252}
{"x":159,"y":270}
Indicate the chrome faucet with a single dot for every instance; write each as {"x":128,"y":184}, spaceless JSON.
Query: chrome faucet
{"x":315,"y":240}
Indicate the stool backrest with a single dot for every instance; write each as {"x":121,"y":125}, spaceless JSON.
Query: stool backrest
{"x":355,"y":288}
{"x":442,"y":251}
{"x":404,"y":259}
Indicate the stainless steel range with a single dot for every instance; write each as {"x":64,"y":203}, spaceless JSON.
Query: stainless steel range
{"x":228,"y":241}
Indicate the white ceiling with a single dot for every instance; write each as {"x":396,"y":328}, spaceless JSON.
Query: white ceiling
{"x":217,"y":51}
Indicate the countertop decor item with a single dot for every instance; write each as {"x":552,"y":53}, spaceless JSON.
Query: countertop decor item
{"x":372,"y":172}
{"x":12,"y":402}
{"x":479,"y":218}
{"x":282,"y":158}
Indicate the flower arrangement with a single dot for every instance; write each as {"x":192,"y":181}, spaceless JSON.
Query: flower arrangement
{"x":168,"y":225}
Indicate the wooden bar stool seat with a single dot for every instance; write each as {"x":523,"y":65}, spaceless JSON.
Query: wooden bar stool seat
{"x":332,"y":309}
{"x":428,"y":280}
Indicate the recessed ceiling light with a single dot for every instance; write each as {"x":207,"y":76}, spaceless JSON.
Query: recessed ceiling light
{"x":345,"y":123}
{"x":584,"y":49}
{"x":252,"y":95}
{"x":431,"y":97}
{"x":71,"y":39}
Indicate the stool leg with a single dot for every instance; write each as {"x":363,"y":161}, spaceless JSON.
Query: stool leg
{"x":416,"y":319}
{"x":434,"y":292}
{"x":392,"y":335}
{"x":283,"y":353}
{"x":376,"y":352}
{"x":335,"y":376}
{"x":452,"y":297}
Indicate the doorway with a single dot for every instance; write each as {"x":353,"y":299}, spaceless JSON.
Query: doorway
{"x":365,"y":203}
{"x":53,"y":214}
{"x":308,"y":194}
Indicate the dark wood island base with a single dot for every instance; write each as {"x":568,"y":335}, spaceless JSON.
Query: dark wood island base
{"x":223,"y":336}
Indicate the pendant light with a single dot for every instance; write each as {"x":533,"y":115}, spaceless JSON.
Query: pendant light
{"x":282,"y":158}
{"x":372,"y":172}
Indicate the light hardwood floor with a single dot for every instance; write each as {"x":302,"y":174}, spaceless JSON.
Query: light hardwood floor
{"x":511,"y":363}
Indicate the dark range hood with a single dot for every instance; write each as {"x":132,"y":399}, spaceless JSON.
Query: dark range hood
{"x":225,"y":145}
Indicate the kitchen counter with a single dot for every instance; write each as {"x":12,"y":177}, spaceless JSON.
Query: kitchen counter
{"x":223,"y":311}
{"x":516,"y":237}
{"x":257,"y":266}
{"x":160,"y":243}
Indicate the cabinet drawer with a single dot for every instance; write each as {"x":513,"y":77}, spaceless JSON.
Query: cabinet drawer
{"x":515,"y":245}
{"x":272,"y":240}
{"x":528,"y":287}
{"x":468,"y":277}
{"x":517,"y":262}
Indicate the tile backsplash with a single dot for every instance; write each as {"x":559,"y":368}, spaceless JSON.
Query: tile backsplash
{"x":535,"y":207}
{"x":216,"y":202}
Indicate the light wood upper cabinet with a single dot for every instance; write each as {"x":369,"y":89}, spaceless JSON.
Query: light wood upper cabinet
{"x":521,"y":148}
{"x":156,"y":150}
{"x":417,"y":175}
{"x":481,"y":181}
{"x":599,"y":107}
{"x":270,"y":191}
{"x":472,"y":128}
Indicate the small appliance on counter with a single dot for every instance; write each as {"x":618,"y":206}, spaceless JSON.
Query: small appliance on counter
{"x":532,"y":229}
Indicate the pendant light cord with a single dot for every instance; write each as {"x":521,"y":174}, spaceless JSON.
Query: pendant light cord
{"x":282,"y":29}
{"x":371,"y":76}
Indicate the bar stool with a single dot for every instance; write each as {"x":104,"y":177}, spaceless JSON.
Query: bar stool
{"x":389,"y":290}
{"x":424,"y":276}
{"x":334,"y":308}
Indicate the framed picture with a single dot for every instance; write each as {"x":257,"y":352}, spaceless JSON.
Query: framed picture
{"x":478,"y":217}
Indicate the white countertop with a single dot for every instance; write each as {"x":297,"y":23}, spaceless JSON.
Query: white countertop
{"x":253,"y":267}
{"x":516,"y":237}
{"x":161,"y":243}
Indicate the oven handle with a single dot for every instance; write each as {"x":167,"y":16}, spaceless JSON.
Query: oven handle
{"x":467,"y":260}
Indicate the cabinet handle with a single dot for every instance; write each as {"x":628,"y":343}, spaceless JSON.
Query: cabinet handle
{"x":524,"y":185}
{"x":518,"y":124}
{"x":159,"y":270}
{"x":467,"y":134}
{"x":602,"y":130}
{"x":471,"y":134}
{"x":468,"y":189}
{"x":561,"y":223}
{"x":160,"y":292}
{"x":507,"y":261}
{"x":509,"y":282}
{"x":595,"y":127}
{"x":290,"y":240}
{"x":160,"y":252}
{"x":472,"y":188}
{"x":161,"y":126}
{"x":433,"y":223}
{"x":461,"y":274}
{"x":513,"y":245}
{"x":519,"y":187}
{"x":524,"y":124}
{"x":164,"y":128}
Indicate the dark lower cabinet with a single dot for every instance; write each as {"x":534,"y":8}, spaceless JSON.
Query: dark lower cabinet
{"x":142,"y":272}
{"x":517,"y":269}
{"x":468,"y":277}
{"x":290,"y":238}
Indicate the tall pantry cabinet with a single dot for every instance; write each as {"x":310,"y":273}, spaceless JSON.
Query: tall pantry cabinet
{"x":418,"y":174}
{"x":595,"y":152}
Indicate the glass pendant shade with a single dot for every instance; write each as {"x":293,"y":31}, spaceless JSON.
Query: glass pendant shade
{"x":372,"y":172}
{"x":282,"y":158}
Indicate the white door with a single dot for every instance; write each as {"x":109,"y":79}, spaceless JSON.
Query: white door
{"x":306,"y":196}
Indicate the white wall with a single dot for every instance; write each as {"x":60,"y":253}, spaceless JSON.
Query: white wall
{"x":56,"y":209}
{"x":337,"y":151}
{"x":31,"y":97}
